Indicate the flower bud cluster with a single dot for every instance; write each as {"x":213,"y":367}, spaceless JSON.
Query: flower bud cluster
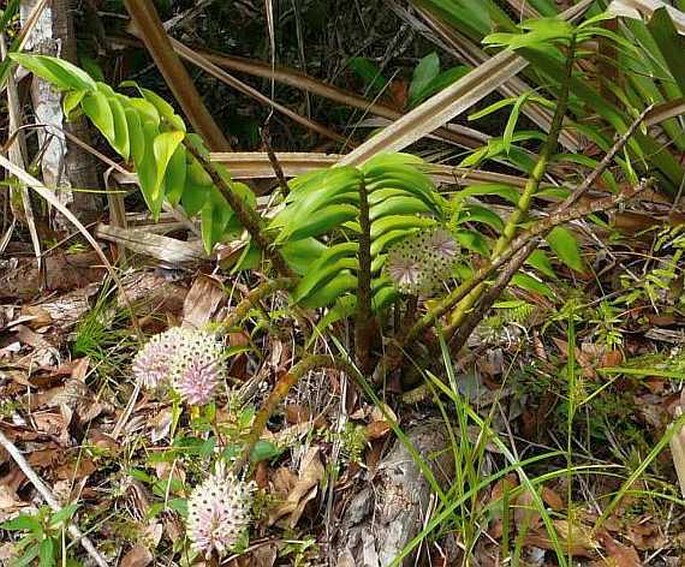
{"x":420,"y":263}
{"x":219,"y":512}
{"x":188,"y":360}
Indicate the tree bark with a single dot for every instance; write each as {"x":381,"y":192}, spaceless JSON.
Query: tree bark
{"x":65,"y":166}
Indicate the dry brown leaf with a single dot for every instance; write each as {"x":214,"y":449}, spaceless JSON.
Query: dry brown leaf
{"x":138,"y":556}
{"x":81,"y":467}
{"x":525,"y":514}
{"x":264,"y":555}
{"x":203,"y":301}
{"x":297,"y":413}
{"x":10,"y":503}
{"x":311,"y":471}
{"x":377,"y":430}
{"x":618,"y":555}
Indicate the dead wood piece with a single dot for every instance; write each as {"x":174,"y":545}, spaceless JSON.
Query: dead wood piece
{"x":384,"y":516}
{"x":170,"y":251}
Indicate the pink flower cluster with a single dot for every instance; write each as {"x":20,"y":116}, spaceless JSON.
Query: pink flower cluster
{"x":219,"y":512}
{"x":188,"y":360}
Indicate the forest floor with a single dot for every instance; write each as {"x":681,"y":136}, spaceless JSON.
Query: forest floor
{"x":605,"y":475}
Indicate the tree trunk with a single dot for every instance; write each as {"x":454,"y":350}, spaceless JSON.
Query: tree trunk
{"x":65,"y":166}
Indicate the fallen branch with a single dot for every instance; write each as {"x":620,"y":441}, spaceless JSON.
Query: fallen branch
{"x":49,"y":498}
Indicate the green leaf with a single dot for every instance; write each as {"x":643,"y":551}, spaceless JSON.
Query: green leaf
{"x":506,"y":192}
{"x":566,"y":247}
{"x":147,"y":168}
{"x":194,"y":197}
{"x":164,"y":109}
{"x":369,"y":72}
{"x":540,"y":261}
{"x":671,"y":44}
{"x":121,"y":142}
{"x":46,"y":555}
{"x":60,"y":73}
{"x":136,"y":135}
{"x":400,"y":205}
{"x":540,"y":33}
{"x":264,"y":450}
{"x":299,"y":253}
{"x":427,"y":70}
{"x":324,"y":221}
{"x":399,"y":222}
{"x":529,"y":283}
{"x":175,"y":179}
{"x":146,"y":110}
{"x":164,"y":146}
{"x":323,"y":273}
{"x":510,"y":127}
{"x":332,"y":291}
{"x":72,"y":100}
{"x":31,"y":553}
{"x":64,"y":515}
{"x":343,"y":308}
{"x":473,"y":241}
{"x":23,"y":522}
{"x":480,"y":214}
{"x":215,"y":216}
{"x":96,"y":107}
{"x":441,"y":82}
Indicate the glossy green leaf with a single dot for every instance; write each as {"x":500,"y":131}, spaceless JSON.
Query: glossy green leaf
{"x":164,"y":146}
{"x":480,"y":214}
{"x":473,"y":241}
{"x":58,"y":72}
{"x":541,"y":262}
{"x":323,"y":222}
{"x":506,"y":192}
{"x":147,"y":168}
{"x":71,"y":101}
{"x":565,"y":245}
{"x":147,"y":111}
{"x":322,"y":275}
{"x":401,"y":205}
{"x":399,"y":222}
{"x":299,"y":253}
{"x":121,"y":142}
{"x":164,"y":109}
{"x":529,"y":283}
{"x":135,"y":134}
{"x":424,"y":73}
{"x":328,"y":294}
{"x":175,"y":177}
{"x":96,"y":106}
{"x":215,"y":215}
{"x":46,"y":556}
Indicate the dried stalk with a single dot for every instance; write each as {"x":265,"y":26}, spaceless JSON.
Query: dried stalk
{"x":50,"y":499}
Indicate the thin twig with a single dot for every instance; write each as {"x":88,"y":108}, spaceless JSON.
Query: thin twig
{"x":273,"y":160}
{"x":247,"y":216}
{"x":50,"y":499}
{"x":606,"y":161}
